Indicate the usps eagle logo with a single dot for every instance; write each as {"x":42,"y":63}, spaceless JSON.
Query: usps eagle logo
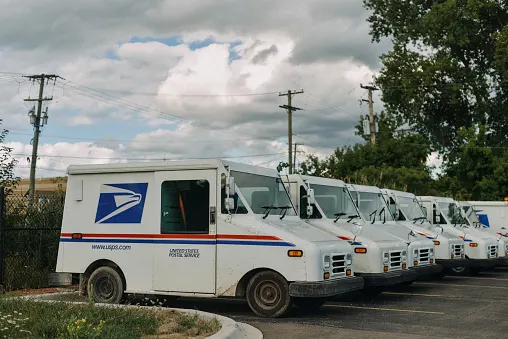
{"x":121,"y":203}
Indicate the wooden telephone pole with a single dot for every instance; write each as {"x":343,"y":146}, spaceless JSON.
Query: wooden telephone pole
{"x":35,"y":120}
{"x":290,"y":110}
{"x":371,"y":113}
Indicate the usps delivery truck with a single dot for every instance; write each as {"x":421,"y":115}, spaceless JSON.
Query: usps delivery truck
{"x":206,"y":228}
{"x":406,"y":210}
{"x":374,"y":209}
{"x":473,"y":221}
{"x":491,"y":216}
{"x":481,"y":249}
{"x":380,"y":257}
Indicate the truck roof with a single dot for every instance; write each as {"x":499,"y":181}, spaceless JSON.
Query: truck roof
{"x":364,"y":188}
{"x":428,"y":197}
{"x":486,"y":203}
{"x":321,"y":181}
{"x":399,"y":193}
{"x":172,"y":165}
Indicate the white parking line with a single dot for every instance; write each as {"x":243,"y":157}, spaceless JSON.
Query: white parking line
{"x":383,"y":309}
{"x":461,"y":285}
{"x":415,"y":294}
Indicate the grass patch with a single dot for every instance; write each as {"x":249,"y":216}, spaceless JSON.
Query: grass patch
{"x":61,"y":320}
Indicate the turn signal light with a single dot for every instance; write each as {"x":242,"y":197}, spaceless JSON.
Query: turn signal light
{"x":348,"y":272}
{"x":360,"y":250}
{"x":326,"y":275}
{"x":473,"y":244}
{"x":403,"y":265}
{"x":415,"y":263}
{"x":431,"y":261}
{"x":77,"y":236}
{"x":385,"y":268}
{"x":452,"y":256}
{"x":295,"y":253}
{"x":436,"y":242}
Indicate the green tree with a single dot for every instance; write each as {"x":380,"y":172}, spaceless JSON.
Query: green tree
{"x":397,"y":161}
{"x":480,"y":169}
{"x":7,"y":163}
{"x":448,"y":68}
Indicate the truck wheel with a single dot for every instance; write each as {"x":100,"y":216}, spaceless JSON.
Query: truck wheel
{"x":459,"y":269}
{"x":268,"y":295}
{"x":105,"y":285}
{"x":310,"y":304}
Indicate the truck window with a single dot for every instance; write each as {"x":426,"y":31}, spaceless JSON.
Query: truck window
{"x":185,"y":206}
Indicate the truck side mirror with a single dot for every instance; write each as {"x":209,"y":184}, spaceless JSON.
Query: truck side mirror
{"x":231,"y":186}
{"x":310,"y":210}
{"x":504,"y":232}
{"x":310,"y":197}
{"x":438,"y":218}
{"x":229,"y":204}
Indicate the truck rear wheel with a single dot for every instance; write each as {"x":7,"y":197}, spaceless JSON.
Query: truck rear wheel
{"x":105,"y":285}
{"x":268,"y":295}
{"x":310,"y":304}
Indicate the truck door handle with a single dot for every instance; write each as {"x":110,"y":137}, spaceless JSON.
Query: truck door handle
{"x":212,"y":215}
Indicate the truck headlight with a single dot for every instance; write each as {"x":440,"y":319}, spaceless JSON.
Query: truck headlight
{"x":349,"y":260}
{"x":386,"y":258}
{"x":326,"y":263}
{"x":506,"y":250}
{"x":431,"y":252}
{"x":415,"y":254}
{"x":404,"y":256}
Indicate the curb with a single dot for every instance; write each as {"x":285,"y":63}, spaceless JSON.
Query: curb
{"x":230,"y":329}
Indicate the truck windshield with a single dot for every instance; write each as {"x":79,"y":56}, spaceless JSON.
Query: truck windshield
{"x":471,"y":214}
{"x":373,"y":207}
{"x":411,"y":208}
{"x":334,"y":201}
{"x":264,"y":193}
{"x":451,"y":213}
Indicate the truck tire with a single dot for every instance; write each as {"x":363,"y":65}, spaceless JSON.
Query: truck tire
{"x":268,"y":295}
{"x":310,"y":304}
{"x":105,"y":285}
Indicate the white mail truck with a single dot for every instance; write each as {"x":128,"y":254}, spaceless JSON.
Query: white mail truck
{"x":203,"y":228}
{"x":373,"y":207}
{"x":481,"y":249}
{"x":380,"y":257}
{"x":406,"y":210}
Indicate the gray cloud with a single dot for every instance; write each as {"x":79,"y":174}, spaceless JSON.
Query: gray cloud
{"x":261,"y":57}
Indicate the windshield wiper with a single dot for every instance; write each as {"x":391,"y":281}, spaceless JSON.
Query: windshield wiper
{"x":271,"y":207}
{"x":338,"y":215}
{"x":418,"y":218}
{"x":384,"y":215}
{"x":351,"y":217}
{"x":373,"y":214}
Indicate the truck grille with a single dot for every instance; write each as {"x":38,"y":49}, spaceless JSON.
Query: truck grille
{"x":338,"y":263}
{"x":424,"y":255}
{"x":492,"y":250}
{"x":395,"y":260}
{"x":457,"y":251}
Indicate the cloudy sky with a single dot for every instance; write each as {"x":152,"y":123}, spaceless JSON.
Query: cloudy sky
{"x":168,"y":79}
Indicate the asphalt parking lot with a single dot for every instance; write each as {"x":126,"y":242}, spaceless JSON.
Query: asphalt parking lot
{"x":454,"y":307}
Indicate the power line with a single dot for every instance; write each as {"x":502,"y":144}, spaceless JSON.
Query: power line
{"x":152,"y":159}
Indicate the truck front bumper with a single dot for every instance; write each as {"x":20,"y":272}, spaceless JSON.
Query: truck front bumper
{"x":328,"y":288}
{"x":387,"y":278}
{"x":451,"y":263}
{"x":426,"y":270}
{"x":487,"y":263}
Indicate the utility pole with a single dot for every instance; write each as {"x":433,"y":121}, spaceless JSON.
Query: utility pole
{"x":290,"y":110}
{"x":35,"y":120}
{"x":371,"y":113}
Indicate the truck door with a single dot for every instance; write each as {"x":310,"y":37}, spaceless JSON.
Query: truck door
{"x":185,"y":256}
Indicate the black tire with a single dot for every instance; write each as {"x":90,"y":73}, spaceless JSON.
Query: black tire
{"x":459,"y":270}
{"x":268,"y":295}
{"x":310,"y":304}
{"x":105,"y":285}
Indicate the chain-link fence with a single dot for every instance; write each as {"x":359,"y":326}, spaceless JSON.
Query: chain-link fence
{"x":29,"y":237}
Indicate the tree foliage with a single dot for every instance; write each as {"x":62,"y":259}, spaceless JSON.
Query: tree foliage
{"x":397,"y":161}
{"x":448,"y":68}
{"x":7,"y":163}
